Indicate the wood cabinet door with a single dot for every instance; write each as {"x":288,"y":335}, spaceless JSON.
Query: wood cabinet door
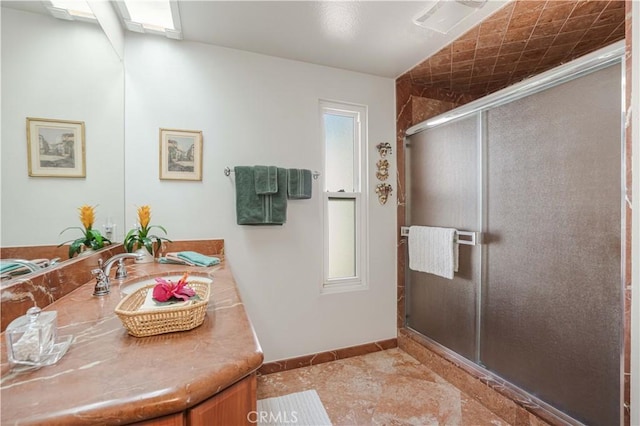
{"x":177,"y":419}
{"x":230,"y":407}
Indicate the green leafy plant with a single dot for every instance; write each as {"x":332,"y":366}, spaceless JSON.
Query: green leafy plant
{"x":91,"y":238}
{"x":139,"y":237}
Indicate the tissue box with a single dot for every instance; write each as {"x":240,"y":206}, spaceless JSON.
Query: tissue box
{"x":31,"y":336}
{"x":32,"y":339}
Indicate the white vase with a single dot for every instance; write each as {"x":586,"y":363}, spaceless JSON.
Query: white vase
{"x":146,"y":256}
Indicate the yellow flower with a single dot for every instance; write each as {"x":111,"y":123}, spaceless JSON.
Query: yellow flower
{"x":144,"y":216}
{"x":140,"y":237}
{"x":91,"y":238}
{"x":87,"y":215}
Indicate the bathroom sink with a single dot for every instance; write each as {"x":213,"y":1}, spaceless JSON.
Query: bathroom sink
{"x":135,"y":285}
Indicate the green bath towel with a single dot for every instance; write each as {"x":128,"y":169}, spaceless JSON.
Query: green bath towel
{"x":198,"y":259}
{"x":254,"y":209}
{"x":299,"y":184}
{"x":266,"y":178}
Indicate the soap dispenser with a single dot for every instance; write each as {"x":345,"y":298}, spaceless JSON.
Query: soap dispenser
{"x":110,"y":230}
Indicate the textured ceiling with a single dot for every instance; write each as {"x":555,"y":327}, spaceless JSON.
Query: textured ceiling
{"x":523,"y":38}
{"x":374,"y":37}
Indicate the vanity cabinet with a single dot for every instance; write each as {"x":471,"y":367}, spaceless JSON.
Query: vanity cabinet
{"x":218,"y":387}
{"x":228,"y":407}
{"x":170,"y":420}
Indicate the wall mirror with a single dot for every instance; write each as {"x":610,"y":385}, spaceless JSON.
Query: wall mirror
{"x":59,"y":70}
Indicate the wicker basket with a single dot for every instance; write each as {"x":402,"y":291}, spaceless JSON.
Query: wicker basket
{"x":166,"y":320}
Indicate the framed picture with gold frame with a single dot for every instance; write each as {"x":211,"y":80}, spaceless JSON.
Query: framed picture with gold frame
{"x":180,"y":154}
{"x":56,"y":148}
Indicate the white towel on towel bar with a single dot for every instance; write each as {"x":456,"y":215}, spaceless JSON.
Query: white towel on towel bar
{"x":433,"y":250}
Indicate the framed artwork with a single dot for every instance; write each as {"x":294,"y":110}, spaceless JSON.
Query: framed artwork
{"x":56,"y":148}
{"x":180,"y":154}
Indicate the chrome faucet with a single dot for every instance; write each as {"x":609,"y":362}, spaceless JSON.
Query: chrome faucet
{"x":103,"y":285}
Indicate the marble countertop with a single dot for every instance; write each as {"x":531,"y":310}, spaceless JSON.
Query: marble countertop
{"x":110,"y":377}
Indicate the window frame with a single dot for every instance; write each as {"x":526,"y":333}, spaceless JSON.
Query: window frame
{"x":67,"y":14}
{"x":147,"y":28}
{"x":360,"y":185}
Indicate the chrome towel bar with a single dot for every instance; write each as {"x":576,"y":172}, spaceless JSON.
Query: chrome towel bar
{"x":470,"y":238}
{"x":228,"y":171}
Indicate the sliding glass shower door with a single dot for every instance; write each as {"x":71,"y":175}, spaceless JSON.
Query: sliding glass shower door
{"x":442,"y":183}
{"x":539,"y":302}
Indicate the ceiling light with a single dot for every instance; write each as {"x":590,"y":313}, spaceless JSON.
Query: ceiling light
{"x":70,"y":10}
{"x":151,"y":16}
{"x":443,"y":15}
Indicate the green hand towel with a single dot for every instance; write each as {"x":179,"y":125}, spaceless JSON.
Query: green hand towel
{"x":198,"y":259}
{"x":254,"y":209}
{"x":9,"y":266}
{"x":299,"y":184}
{"x":266,"y":179}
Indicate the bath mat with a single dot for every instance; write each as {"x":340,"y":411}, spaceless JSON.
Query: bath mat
{"x":300,"y":409}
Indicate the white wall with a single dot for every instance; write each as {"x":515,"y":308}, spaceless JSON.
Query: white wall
{"x":256,"y":109}
{"x":60,"y":70}
{"x":110,"y":23}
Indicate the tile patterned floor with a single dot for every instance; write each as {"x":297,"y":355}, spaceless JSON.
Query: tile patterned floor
{"x":382,"y":388}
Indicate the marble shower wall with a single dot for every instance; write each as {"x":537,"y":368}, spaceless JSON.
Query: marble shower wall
{"x":521,"y":39}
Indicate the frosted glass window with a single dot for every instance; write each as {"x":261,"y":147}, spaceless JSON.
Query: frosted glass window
{"x":342,"y":237}
{"x":339,"y":131}
{"x":344,"y":220}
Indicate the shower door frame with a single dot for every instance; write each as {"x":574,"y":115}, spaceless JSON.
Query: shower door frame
{"x":610,"y":55}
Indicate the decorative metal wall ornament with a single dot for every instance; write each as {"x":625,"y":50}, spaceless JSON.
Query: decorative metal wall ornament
{"x":384,"y":148}
{"x":384,"y":190}
{"x":383,"y":169}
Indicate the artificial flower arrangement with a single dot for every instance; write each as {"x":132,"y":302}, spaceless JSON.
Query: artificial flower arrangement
{"x":167,"y":292}
{"x":91,"y":238}
{"x":139,"y":237}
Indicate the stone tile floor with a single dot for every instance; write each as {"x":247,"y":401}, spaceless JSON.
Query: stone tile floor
{"x":382,"y":388}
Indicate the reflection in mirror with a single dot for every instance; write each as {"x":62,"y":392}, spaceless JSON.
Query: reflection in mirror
{"x":59,"y":70}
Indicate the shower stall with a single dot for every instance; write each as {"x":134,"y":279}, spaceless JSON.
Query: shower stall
{"x":536,"y":170}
